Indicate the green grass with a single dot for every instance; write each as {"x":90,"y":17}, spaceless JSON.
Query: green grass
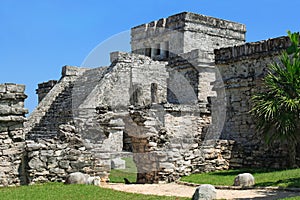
{"x":130,"y":172}
{"x":59,"y":191}
{"x":291,"y":198}
{"x":263,"y":177}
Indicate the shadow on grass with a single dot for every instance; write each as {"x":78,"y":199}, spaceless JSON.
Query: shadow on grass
{"x":289,"y":182}
{"x":235,"y":172}
{"x":273,"y":194}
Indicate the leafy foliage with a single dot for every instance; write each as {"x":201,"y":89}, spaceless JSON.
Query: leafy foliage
{"x":277,"y":108}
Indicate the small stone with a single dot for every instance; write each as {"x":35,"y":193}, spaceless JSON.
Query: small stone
{"x":77,"y":178}
{"x":205,"y":192}
{"x":152,"y":144}
{"x":12,"y":151}
{"x":4,"y":110}
{"x":65,"y":164}
{"x":35,"y":163}
{"x":244,"y":180}
{"x":2,"y":88}
{"x":57,"y":171}
{"x":35,"y":146}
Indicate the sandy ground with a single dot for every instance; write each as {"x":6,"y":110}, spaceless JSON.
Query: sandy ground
{"x":174,"y":189}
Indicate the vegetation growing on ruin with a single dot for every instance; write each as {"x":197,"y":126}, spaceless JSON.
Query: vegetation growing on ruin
{"x":278,"y":107}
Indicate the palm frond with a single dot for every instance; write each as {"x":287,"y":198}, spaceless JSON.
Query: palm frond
{"x":277,"y":109}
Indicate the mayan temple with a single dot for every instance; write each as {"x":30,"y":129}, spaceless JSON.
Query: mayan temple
{"x":177,"y":104}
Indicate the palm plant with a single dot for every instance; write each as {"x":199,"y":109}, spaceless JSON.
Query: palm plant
{"x":278,"y":107}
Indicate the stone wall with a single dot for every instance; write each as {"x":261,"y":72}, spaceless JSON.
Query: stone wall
{"x":134,"y":76}
{"x":53,"y":146}
{"x":56,"y":107}
{"x":184,"y":32}
{"x":242,"y":69}
{"x":44,"y":88}
{"x":12,"y":138}
{"x":53,"y":159}
{"x":41,"y":159}
{"x":163,"y":152}
{"x":191,"y":77}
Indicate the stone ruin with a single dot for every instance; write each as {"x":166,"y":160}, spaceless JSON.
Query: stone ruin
{"x":178,"y":104}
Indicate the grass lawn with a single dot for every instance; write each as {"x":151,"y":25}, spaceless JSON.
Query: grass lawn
{"x":130,"y":172}
{"x":263,"y":177}
{"x":59,"y":191}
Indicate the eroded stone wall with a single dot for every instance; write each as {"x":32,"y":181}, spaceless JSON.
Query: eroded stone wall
{"x":53,"y":159}
{"x":55,"y":108}
{"x":163,"y":152}
{"x":44,"y":88}
{"x":184,"y":32}
{"x":12,"y":137}
{"x":242,"y":69}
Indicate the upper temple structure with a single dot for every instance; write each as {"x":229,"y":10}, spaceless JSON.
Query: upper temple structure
{"x":177,"y":104}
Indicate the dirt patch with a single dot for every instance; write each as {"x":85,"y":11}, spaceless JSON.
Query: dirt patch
{"x":173,"y":189}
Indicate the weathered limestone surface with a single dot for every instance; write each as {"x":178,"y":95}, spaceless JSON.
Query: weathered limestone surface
{"x":44,"y":89}
{"x":191,"y":76}
{"x":242,"y":69}
{"x":184,"y":32}
{"x":53,"y":159}
{"x":12,"y":138}
{"x":163,"y":153}
{"x":55,"y":109}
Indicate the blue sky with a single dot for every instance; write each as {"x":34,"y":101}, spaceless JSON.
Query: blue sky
{"x":38,"y":37}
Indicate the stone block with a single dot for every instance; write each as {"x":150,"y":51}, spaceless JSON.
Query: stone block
{"x":32,"y":154}
{"x":5,"y":110}
{"x":15,"y":126}
{"x":57,"y":171}
{"x":18,"y":119}
{"x":79,"y":164}
{"x":118,"y":163}
{"x":114,"y":56}
{"x":5,"y":169}
{"x":5,"y":119}
{"x":12,"y":151}
{"x":8,"y":96}
{"x":36,"y":163}
{"x":2,"y":88}
{"x":72,"y":71}
{"x":35,"y":146}
{"x":46,"y":152}
{"x":15,"y":88}
{"x":166,"y":165}
{"x":3,"y":129}
{"x":65,"y":164}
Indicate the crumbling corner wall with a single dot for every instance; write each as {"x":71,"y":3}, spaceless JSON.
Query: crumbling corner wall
{"x":242,"y":69}
{"x":12,"y":138}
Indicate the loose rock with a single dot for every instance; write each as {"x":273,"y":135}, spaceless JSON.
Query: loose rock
{"x":244,"y":180}
{"x":205,"y":192}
